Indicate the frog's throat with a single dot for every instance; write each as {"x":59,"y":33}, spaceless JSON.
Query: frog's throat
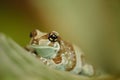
{"x":46,"y":51}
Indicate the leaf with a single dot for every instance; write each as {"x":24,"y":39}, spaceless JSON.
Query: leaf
{"x":18,"y":64}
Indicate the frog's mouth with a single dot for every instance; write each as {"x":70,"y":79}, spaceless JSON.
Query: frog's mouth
{"x":46,"y":51}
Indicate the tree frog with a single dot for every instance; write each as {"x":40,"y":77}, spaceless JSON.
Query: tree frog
{"x":56,"y":53}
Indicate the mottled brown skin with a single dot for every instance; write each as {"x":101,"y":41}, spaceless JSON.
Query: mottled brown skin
{"x":64,"y":47}
{"x":36,"y":41}
{"x":70,"y":48}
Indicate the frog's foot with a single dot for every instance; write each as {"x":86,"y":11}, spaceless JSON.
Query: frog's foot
{"x":87,"y":70}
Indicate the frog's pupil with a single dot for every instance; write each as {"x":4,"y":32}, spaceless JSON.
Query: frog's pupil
{"x":52,"y":38}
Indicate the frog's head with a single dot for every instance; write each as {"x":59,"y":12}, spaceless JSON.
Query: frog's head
{"x":45,"y":44}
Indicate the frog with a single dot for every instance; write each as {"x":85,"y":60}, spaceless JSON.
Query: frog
{"x":57,"y":53}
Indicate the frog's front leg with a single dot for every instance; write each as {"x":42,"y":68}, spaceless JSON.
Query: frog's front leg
{"x":82,"y":67}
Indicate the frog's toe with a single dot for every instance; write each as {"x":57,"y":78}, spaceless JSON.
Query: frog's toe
{"x":87,"y":70}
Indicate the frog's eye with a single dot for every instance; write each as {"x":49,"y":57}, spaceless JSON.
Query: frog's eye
{"x":53,"y":36}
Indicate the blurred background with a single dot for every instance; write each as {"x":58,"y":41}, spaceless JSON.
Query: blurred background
{"x":94,"y":25}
